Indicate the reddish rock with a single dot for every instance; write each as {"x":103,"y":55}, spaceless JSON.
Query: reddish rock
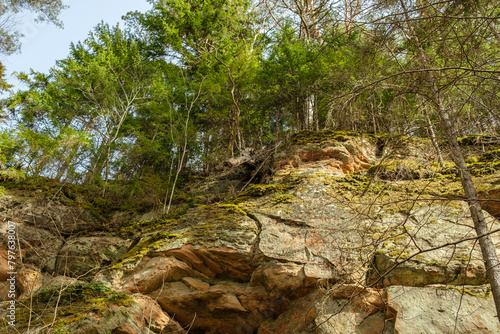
{"x":299,"y":318}
{"x":311,"y":156}
{"x":226,"y":307}
{"x":491,"y":202}
{"x":283,"y":279}
{"x":342,"y":158}
{"x":28,"y":281}
{"x":192,"y":258}
{"x":368,"y":300}
{"x":196,"y":284}
{"x":4,"y":265}
{"x":154,"y":272}
{"x":213,"y":261}
{"x":157,"y":320}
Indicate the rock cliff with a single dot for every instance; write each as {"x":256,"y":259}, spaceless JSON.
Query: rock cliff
{"x":346,"y":233}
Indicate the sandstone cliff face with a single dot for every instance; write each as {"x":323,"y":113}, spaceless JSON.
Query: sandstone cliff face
{"x":350,"y":235}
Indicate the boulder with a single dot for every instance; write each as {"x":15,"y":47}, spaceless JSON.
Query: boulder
{"x":156,"y":320}
{"x":443,"y":309}
{"x":417,"y":255}
{"x":34,"y":246}
{"x":297,"y":319}
{"x":4,"y":265}
{"x":84,"y":256}
{"x":48,"y":215}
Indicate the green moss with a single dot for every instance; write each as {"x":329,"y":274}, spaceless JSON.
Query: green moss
{"x":101,"y":200}
{"x":465,"y":258}
{"x":315,"y":137}
{"x":201,"y":224}
{"x":399,"y":254}
{"x":405,"y":170}
{"x":258,"y":190}
{"x":478,"y":139}
{"x":283,"y":198}
{"x":136,"y":253}
{"x":145,"y":226}
{"x":234,"y":208}
{"x":479,"y":293}
{"x":162,"y":236}
{"x":74,"y":303}
{"x":483,"y":168}
{"x":11,"y":175}
{"x":77,"y":292}
{"x":493,"y":155}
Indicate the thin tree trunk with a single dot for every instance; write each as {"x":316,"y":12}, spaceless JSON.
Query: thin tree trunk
{"x":74,"y":150}
{"x":184,"y":150}
{"x":432,"y":134}
{"x":97,"y":161}
{"x":236,"y":121}
{"x":309,"y":112}
{"x":487,"y":247}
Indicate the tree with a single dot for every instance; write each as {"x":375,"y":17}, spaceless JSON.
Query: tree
{"x":214,"y":41}
{"x":92,"y":92}
{"x":444,"y":65}
{"x":47,"y":10}
{"x":10,"y":37}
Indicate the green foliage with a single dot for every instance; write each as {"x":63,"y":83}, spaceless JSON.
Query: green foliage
{"x":75,"y":293}
{"x":9,"y":36}
{"x":77,"y":303}
{"x":47,"y":10}
{"x":191,"y":83}
{"x":258,"y":190}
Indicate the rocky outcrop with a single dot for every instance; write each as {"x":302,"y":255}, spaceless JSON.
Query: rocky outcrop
{"x":84,"y":256}
{"x":46,"y":214}
{"x":334,"y":243}
{"x":443,"y":309}
{"x":88,"y":308}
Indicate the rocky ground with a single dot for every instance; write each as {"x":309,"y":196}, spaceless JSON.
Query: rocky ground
{"x":346,"y":233}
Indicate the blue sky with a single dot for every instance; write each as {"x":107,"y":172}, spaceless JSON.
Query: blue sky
{"x":44,"y":43}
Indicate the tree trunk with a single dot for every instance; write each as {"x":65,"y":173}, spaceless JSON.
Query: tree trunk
{"x":487,"y":247}
{"x":309,"y":106}
{"x":74,"y":150}
{"x":431,"y":132}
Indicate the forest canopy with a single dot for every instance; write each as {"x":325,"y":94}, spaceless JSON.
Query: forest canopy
{"x":191,"y":83}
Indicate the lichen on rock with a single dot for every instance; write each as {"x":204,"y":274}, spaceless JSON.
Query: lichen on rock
{"x":325,"y":243}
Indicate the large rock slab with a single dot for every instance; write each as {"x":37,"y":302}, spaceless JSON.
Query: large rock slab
{"x":84,"y":256}
{"x":35,"y":246}
{"x":434,"y":244}
{"x":280,"y":279}
{"x":297,"y":319}
{"x":48,"y":215}
{"x":342,"y":316}
{"x":309,"y":225}
{"x":442,"y":310}
{"x":224,"y":307}
{"x":84,"y":308}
